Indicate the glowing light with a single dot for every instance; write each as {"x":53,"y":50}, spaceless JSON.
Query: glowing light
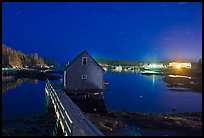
{"x":105,"y":68}
{"x":153,"y":79}
{"x":118,"y":68}
{"x":179,"y":76}
{"x":154,"y":65}
{"x":149,"y":71}
{"x":179,"y":65}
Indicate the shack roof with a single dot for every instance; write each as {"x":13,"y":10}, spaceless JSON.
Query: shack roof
{"x":79,"y":56}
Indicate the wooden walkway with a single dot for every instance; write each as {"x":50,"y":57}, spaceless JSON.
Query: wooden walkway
{"x":15,"y":71}
{"x":72,"y":120}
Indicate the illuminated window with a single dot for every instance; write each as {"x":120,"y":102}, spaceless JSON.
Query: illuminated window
{"x":84,"y":77}
{"x":84,"y":60}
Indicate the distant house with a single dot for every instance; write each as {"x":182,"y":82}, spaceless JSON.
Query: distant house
{"x":84,"y":74}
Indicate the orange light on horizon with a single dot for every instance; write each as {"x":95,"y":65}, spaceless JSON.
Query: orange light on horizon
{"x":179,"y":65}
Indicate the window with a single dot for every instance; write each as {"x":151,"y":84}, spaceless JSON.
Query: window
{"x":84,"y":77}
{"x":84,"y":60}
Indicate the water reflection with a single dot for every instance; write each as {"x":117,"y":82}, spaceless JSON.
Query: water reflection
{"x":149,"y":93}
{"x":17,"y":83}
{"x":92,"y":103}
{"x":22,"y":97}
{"x":153,"y":79}
{"x":179,"y":76}
{"x":183,"y":83}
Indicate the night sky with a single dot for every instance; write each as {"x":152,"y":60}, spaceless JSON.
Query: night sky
{"x":134,"y":31}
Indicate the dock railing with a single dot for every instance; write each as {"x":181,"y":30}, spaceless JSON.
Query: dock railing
{"x":63,"y":117}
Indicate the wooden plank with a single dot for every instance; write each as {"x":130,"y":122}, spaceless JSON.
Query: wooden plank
{"x":59,"y":110}
{"x":80,"y":121}
{"x":82,"y":125}
{"x":70,"y":114}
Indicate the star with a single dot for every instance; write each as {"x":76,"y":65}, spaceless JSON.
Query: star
{"x":19,"y":12}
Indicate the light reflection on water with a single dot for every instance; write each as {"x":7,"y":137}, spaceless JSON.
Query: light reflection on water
{"x":147,"y":93}
{"x":179,"y":76}
{"x":22,"y":97}
{"x":129,"y":91}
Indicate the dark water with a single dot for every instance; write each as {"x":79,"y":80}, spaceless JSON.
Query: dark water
{"x":126,"y":92}
{"x":139,"y":93}
{"x":23,"y":97}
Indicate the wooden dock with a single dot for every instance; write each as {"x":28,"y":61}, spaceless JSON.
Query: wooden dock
{"x":72,"y":120}
{"x":15,"y":71}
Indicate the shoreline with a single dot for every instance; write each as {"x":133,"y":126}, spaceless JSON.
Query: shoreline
{"x":32,"y":74}
{"x":40,"y":124}
{"x":110,"y":121}
{"x":188,"y":122}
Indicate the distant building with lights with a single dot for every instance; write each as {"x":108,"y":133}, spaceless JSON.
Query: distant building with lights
{"x":179,"y":65}
{"x":153,"y":66}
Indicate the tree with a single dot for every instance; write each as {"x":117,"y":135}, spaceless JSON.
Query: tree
{"x":14,"y":58}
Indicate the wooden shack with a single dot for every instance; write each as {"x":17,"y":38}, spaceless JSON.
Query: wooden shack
{"x":84,"y":75}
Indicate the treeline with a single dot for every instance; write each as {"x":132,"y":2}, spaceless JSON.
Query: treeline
{"x":13,"y":58}
{"x":50,"y":62}
{"x":117,"y":62}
